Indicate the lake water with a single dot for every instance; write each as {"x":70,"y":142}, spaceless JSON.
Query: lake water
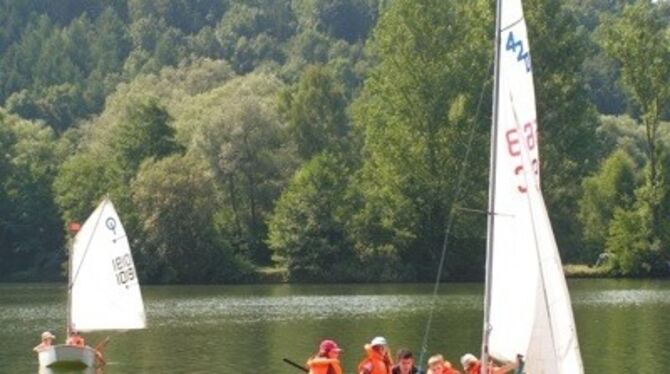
{"x":623,"y":325}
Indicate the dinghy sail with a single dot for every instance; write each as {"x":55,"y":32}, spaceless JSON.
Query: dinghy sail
{"x":103,"y":292}
{"x":527,"y":308}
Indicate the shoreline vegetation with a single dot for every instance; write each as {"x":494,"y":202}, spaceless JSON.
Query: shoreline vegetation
{"x":280,"y":275}
{"x":271,"y":275}
{"x":587,"y":271}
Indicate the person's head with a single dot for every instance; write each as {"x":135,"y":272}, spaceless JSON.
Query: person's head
{"x":74,"y":333}
{"x":436,"y":363}
{"x":379,"y":344}
{"x":47,"y":336}
{"x":405,"y":359}
{"x":328,"y":348}
{"x":468,"y":360}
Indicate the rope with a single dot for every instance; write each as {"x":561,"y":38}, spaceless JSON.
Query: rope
{"x":457,"y":193}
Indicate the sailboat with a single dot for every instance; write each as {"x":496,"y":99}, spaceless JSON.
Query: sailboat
{"x":103,"y":288}
{"x":527,"y":308}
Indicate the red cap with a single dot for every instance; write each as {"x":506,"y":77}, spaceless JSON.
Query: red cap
{"x":328,"y":345}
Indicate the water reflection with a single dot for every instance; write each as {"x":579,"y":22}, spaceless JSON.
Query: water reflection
{"x":45,"y":370}
{"x":285,"y":308}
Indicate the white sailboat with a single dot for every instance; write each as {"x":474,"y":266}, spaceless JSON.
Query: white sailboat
{"x":527,"y":308}
{"x":103,"y":292}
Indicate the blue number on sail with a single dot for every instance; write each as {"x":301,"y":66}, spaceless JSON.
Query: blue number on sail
{"x":515,"y":45}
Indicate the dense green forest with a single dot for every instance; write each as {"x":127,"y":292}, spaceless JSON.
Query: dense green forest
{"x":322,"y":137}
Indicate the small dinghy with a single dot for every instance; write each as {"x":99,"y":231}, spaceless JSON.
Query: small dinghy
{"x":103,"y":289}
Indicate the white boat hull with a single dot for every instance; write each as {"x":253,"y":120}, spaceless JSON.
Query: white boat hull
{"x":67,"y":356}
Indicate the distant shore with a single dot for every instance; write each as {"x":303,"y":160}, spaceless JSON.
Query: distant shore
{"x":586,"y":271}
{"x":280,"y":275}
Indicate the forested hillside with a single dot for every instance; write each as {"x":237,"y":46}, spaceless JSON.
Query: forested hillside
{"x":322,"y":137}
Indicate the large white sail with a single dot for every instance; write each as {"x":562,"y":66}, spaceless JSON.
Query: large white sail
{"x":105,"y":291}
{"x":529,"y":309}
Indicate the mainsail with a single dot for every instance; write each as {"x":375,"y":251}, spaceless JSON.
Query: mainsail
{"x":104,"y":289}
{"x":527,"y":306}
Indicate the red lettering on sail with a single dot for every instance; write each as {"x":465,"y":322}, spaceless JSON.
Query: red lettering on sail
{"x":521,"y":187}
{"x":514,"y":144}
{"x":530,"y":135}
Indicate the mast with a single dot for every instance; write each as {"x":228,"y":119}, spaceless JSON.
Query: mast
{"x":491,"y":214}
{"x":69,"y":288}
{"x":73,"y":229}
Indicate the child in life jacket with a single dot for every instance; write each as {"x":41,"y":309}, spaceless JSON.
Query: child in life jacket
{"x":327,"y":361}
{"x":438,"y":365}
{"x":378,"y":360}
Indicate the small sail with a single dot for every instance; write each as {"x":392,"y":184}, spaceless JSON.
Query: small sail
{"x":529,"y":311}
{"x":105,"y":291}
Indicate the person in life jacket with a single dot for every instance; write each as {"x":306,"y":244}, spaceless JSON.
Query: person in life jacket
{"x":438,"y":365}
{"x":75,"y":339}
{"x":47,"y":342}
{"x":327,"y":360}
{"x":472,"y":365}
{"x":404,"y":363}
{"x":377,"y":360}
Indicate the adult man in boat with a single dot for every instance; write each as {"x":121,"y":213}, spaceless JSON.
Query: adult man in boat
{"x":405,"y":363}
{"x":377,"y":360}
{"x":472,"y":365}
{"x":327,"y":360}
{"x":47,"y":340}
{"x":75,"y":339}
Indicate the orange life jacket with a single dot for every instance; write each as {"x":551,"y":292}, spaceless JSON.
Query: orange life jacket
{"x":320,"y":365}
{"x":450,"y":370}
{"x":75,"y":340}
{"x":378,"y":364}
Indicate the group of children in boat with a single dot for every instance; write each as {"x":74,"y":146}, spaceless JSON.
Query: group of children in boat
{"x":74,"y":339}
{"x":48,"y":338}
{"x":378,"y":360}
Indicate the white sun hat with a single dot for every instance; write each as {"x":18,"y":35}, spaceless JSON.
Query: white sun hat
{"x":379,"y":340}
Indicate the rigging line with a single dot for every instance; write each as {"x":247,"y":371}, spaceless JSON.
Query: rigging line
{"x":482,"y":211}
{"x":511,"y":24}
{"x":450,"y":219}
{"x":88,"y":245}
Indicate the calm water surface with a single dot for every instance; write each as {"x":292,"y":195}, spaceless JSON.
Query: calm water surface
{"x":622,"y":325}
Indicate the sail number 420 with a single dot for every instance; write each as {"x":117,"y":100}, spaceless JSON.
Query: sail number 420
{"x":516,"y":45}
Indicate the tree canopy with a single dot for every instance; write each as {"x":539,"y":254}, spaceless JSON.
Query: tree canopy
{"x":324,"y":138}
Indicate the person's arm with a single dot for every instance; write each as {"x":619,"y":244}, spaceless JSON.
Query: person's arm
{"x":366,"y":368}
{"x":100,"y":360}
{"x":505,"y":368}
